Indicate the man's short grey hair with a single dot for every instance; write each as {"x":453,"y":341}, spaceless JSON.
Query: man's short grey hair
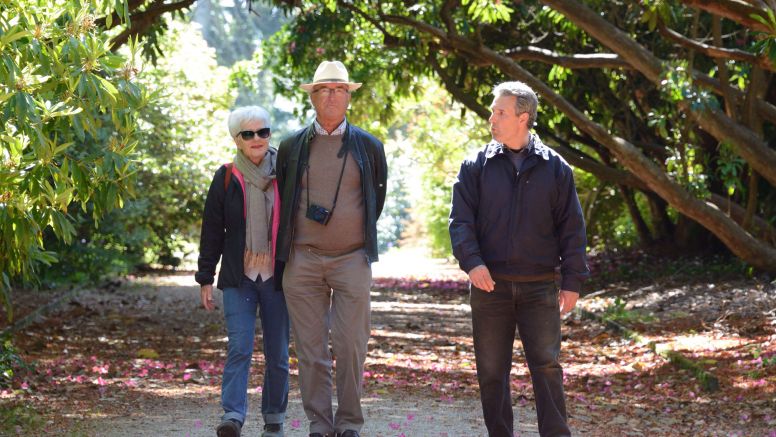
{"x":246,"y":114}
{"x":526,"y":98}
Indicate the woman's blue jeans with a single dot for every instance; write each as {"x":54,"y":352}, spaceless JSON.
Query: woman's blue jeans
{"x":240,"y":305}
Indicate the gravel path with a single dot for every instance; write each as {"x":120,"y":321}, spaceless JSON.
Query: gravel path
{"x":193,"y":410}
{"x":197,"y":416}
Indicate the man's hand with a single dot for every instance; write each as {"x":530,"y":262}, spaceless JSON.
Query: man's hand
{"x":206,"y":293}
{"x":567,"y":300}
{"x":480,"y":277}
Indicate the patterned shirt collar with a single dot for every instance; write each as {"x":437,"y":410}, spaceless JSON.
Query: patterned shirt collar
{"x":498,"y":148}
{"x":319,"y":130}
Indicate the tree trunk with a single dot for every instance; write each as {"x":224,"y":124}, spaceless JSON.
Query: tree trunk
{"x":661,"y":223}
{"x":633,"y":210}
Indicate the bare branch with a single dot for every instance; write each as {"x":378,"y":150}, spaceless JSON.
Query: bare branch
{"x":716,"y":52}
{"x":445,"y":13}
{"x":764,"y":109}
{"x":458,"y":94}
{"x":735,"y":10}
{"x":142,"y":21}
{"x":597,"y":60}
{"x":365,"y":16}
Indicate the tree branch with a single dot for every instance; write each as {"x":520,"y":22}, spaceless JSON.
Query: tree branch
{"x":764,"y":109}
{"x":142,"y":21}
{"x":716,"y":52}
{"x":597,"y":60}
{"x":367,"y":17}
{"x":735,"y":10}
{"x":116,"y":18}
{"x":447,"y":17}
{"x":746,"y":143}
{"x":569,"y":153}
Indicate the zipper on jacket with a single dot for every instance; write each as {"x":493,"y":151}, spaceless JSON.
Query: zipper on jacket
{"x":513,"y":201}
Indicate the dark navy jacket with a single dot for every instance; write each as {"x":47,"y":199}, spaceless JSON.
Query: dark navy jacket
{"x":519,"y":224}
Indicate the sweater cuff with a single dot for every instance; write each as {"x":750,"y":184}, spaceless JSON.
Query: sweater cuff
{"x":471,"y":262}
{"x":571,"y":283}
{"x":203,"y":278}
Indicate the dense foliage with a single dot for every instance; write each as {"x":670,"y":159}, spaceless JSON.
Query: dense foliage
{"x":435,"y":136}
{"x":181,"y":140}
{"x":69,"y":113}
{"x":667,"y":104}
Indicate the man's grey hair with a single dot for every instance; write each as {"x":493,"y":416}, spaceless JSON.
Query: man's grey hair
{"x":246,"y":114}
{"x":526,"y":98}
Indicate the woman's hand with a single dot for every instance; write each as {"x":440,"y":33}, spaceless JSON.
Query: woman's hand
{"x":206,"y":293}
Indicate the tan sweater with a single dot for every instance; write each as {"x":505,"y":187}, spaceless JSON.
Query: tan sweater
{"x":345,"y":229}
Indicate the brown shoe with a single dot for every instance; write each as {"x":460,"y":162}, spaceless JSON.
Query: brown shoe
{"x":229,"y":428}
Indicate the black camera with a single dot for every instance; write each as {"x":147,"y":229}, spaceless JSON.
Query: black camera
{"x":318,"y":214}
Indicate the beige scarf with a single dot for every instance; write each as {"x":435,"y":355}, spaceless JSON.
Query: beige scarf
{"x":259,"y":198}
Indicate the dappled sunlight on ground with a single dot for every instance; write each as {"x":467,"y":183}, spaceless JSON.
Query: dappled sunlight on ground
{"x":707,"y":342}
{"x":147,"y":354}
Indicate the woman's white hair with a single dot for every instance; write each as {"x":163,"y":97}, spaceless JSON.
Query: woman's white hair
{"x":246,"y":114}
{"x":526,"y":98}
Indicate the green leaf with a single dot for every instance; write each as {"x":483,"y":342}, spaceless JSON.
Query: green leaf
{"x":62,"y":227}
{"x":62,"y":147}
{"x":113,"y":61}
{"x":11,"y":37}
{"x":5,"y":296}
{"x":108,"y":87}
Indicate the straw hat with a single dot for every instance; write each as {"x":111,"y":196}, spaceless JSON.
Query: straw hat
{"x":330,"y":72}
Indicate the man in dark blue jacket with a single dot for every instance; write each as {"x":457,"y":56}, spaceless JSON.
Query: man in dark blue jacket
{"x":516,"y":217}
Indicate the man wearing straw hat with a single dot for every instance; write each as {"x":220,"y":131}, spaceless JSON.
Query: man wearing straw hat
{"x":332,"y":182}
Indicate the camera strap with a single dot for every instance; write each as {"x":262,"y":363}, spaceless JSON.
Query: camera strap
{"x":339,"y":183}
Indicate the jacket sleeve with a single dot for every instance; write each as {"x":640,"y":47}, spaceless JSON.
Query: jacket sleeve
{"x":281,"y":165}
{"x":463,"y":217}
{"x":570,"y":229}
{"x":380,"y":176}
{"x":211,"y":239}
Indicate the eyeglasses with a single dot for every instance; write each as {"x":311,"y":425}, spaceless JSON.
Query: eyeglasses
{"x":248,"y":134}
{"x":328,"y":91}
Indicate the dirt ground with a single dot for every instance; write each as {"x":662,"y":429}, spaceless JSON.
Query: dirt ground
{"x":144,"y":359}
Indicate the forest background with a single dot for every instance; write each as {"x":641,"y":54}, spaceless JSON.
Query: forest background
{"x":114,"y":120}
{"x":114,"y":116}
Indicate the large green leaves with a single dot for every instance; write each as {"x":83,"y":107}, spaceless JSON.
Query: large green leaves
{"x":68,"y":111}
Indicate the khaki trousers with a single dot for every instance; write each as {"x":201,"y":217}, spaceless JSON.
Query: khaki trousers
{"x":323,"y":293}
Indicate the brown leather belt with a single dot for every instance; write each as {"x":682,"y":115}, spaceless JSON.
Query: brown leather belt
{"x":526,"y":278}
{"x":327,"y":252}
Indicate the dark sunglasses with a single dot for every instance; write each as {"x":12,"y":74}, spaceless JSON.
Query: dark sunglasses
{"x":248,"y":134}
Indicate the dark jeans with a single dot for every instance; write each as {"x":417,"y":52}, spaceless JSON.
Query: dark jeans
{"x":533,"y":308}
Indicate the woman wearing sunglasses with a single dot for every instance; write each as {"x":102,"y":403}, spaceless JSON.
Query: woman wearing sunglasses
{"x":239,"y":226}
